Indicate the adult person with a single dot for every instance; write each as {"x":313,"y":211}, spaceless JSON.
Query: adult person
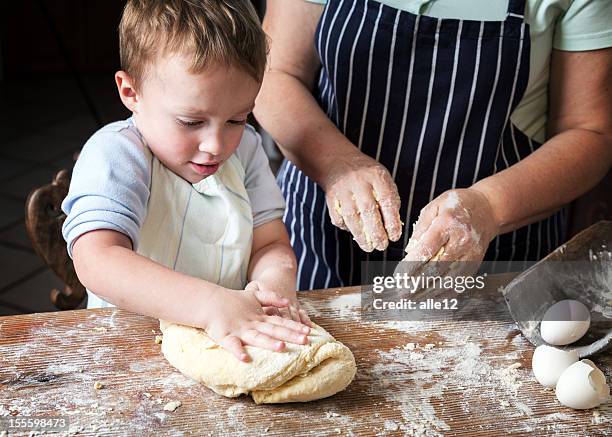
{"x":478,"y":120}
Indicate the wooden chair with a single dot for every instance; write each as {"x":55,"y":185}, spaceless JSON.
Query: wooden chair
{"x":44,"y":219}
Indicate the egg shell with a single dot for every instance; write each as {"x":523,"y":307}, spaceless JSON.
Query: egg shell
{"x":582,"y":386}
{"x":565,"y":322}
{"x":548,"y":363}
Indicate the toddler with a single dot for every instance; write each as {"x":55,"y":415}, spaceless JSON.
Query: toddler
{"x":174,"y":213}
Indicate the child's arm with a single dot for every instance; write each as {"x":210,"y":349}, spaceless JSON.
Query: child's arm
{"x":273,"y":267}
{"x":106,"y":264}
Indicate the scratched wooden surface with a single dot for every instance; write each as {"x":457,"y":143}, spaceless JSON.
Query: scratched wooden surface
{"x":414,"y":378}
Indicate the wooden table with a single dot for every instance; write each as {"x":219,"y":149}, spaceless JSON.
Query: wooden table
{"x":414,"y":378}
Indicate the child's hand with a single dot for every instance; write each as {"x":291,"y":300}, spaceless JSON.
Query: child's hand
{"x":293,"y":311}
{"x":240,"y":320}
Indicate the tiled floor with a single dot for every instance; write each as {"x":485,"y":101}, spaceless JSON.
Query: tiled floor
{"x":43,"y":122}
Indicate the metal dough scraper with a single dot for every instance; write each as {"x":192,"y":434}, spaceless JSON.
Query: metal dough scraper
{"x":581,"y":269}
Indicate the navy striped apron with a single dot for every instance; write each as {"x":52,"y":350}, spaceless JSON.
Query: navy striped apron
{"x":428,"y":98}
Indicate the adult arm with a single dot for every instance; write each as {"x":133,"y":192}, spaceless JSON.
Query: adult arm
{"x":360,"y":193}
{"x":577,"y":155}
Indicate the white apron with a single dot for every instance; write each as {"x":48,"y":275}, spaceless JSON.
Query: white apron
{"x":203,"y":230}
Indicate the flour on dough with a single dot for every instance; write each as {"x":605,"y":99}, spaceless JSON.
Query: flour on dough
{"x":300,"y":373}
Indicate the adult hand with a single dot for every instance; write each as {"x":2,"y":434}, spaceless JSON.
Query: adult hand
{"x":240,"y":320}
{"x":456,"y":226}
{"x":363,"y":199}
{"x":293,"y":311}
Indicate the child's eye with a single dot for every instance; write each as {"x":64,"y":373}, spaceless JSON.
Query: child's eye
{"x":188,"y":123}
{"x":238,"y":122}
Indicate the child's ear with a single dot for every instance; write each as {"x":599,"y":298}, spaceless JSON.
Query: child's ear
{"x":127,"y":91}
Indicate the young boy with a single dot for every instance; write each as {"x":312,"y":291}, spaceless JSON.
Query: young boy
{"x":171,"y":212}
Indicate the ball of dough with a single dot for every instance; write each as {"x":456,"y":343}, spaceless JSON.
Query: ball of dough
{"x":300,"y":373}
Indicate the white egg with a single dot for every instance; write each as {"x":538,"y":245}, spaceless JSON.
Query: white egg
{"x":582,"y":386}
{"x":548,"y":363}
{"x":565,"y":322}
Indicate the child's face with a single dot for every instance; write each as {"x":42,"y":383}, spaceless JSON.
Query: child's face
{"x":193,"y":122}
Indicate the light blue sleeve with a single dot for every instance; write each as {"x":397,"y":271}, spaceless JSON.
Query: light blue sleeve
{"x":110,"y":184}
{"x":586,"y":25}
{"x":266,"y":198}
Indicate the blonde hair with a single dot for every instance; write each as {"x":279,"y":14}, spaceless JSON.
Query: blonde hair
{"x":225,"y":32}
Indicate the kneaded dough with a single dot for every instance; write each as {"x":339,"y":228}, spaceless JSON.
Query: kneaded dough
{"x":300,"y":373}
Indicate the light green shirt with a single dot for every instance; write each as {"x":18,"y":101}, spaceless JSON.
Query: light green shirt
{"x":573,"y":25}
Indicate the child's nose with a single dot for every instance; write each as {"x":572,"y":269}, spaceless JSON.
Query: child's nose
{"x":212,"y":144}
